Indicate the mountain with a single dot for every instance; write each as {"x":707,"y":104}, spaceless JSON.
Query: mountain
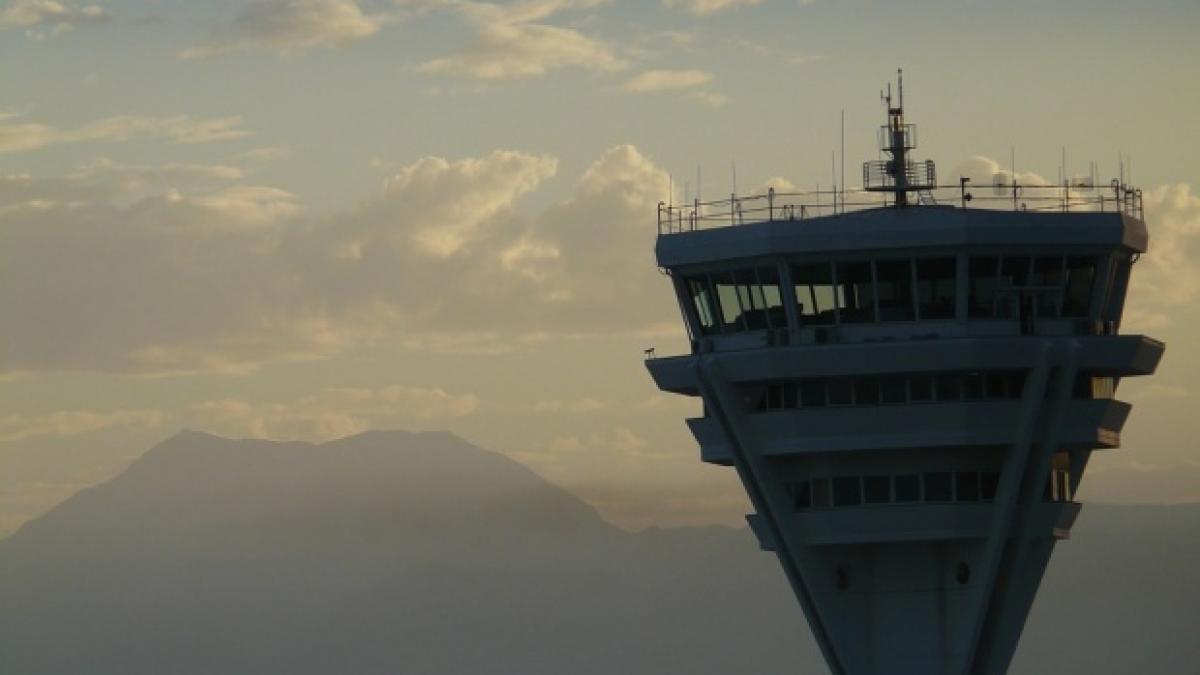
{"x":392,"y":552}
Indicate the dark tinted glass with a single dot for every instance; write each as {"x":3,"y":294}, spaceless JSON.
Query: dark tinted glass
{"x":801,"y":495}
{"x":1081,"y":271}
{"x":1014,"y":270}
{"x":996,"y":385}
{"x":856,"y":292}
{"x":847,"y":491}
{"x":790,"y":394}
{"x":877,"y":489}
{"x":895,"y":290}
{"x":988,"y":481}
{"x":866,"y":391}
{"x":893,"y":390}
{"x":812,"y":393}
{"x":983,"y":271}
{"x":820,"y":493}
{"x":973,"y":386}
{"x":966,"y":486}
{"x":840,"y":391}
{"x":936,"y":283}
{"x":908,"y":488}
{"x":949,"y":387}
{"x":938,"y":487}
{"x":920,"y":387}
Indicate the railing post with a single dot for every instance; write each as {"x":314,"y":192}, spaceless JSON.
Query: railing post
{"x":771,"y":203}
{"x":660,"y":208}
{"x":732,"y":214}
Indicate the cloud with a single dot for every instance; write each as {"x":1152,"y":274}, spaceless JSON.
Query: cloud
{"x":289,"y":26}
{"x":333,"y":413}
{"x":1167,"y":278}
{"x":452,"y":200}
{"x":75,"y":422}
{"x":666,"y":80}
{"x":21,"y":137}
{"x":983,"y":170}
{"x":511,"y":43}
{"x":225,"y":277}
{"x":57,"y":16}
{"x":264,"y":155}
{"x":706,"y":7}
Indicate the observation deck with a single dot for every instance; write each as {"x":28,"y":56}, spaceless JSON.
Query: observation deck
{"x":802,"y":206}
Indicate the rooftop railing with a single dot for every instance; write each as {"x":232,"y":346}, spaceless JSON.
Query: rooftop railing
{"x":800,"y":206}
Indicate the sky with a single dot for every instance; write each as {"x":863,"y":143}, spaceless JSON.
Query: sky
{"x":302,"y":219}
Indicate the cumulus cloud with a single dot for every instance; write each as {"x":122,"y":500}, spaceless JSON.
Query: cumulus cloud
{"x":19,"y":137}
{"x":224,"y":278}
{"x":289,"y":26}
{"x":452,"y":200}
{"x":984,"y":170}
{"x":75,"y":422}
{"x":1168,"y":277}
{"x":663,"y":80}
{"x":512,"y":41}
{"x":333,"y":413}
{"x":706,"y":7}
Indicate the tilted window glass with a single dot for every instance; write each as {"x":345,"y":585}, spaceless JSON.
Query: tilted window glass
{"x":730,"y":304}
{"x":894,"y":288}
{"x":814,"y":293}
{"x":1081,"y":273}
{"x":936,"y":284}
{"x":856,"y":292}
{"x":702,"y":300}
{"x":983,"y":271}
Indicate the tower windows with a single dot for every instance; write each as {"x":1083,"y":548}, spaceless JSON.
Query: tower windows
{"x":815,"y":293}
{"x":855,"y":292}
{"x":702,"y":300}
{"x":847,"y":491}
{"x":982,"y":271}
{"x":869,"y":390}
{"x":894,"y":288}
{"x":1001,"y":285}
{"x":936,"y":487}
{"x":908,"y":487}
{"x":936,"y":287}
{"x":1081,"y":271}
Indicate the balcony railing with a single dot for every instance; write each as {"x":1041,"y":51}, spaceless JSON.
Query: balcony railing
{"x":799,"y":206}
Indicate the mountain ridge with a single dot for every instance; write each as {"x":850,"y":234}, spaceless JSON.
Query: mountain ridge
{"x":421,"y":553}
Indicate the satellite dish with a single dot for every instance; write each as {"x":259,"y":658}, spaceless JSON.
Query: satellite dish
{"x":1000,"y":183}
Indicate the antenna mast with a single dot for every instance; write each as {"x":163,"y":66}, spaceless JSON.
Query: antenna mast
{"x":898,"y":175}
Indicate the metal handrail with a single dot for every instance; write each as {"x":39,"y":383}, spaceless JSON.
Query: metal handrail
{"x":791,"y":206}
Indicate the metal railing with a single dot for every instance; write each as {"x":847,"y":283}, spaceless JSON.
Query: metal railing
{"x":799,"y":206}
{"x":878,"y":176}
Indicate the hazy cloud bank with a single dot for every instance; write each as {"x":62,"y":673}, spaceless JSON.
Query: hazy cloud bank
{"x":289,"y":26}
{"x":108,"y":272}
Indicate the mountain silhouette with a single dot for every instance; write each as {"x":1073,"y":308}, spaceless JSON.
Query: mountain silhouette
{"x":395,"y":552}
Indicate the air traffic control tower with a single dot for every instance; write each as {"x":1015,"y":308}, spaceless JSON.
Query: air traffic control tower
{"x":909,"y":380}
